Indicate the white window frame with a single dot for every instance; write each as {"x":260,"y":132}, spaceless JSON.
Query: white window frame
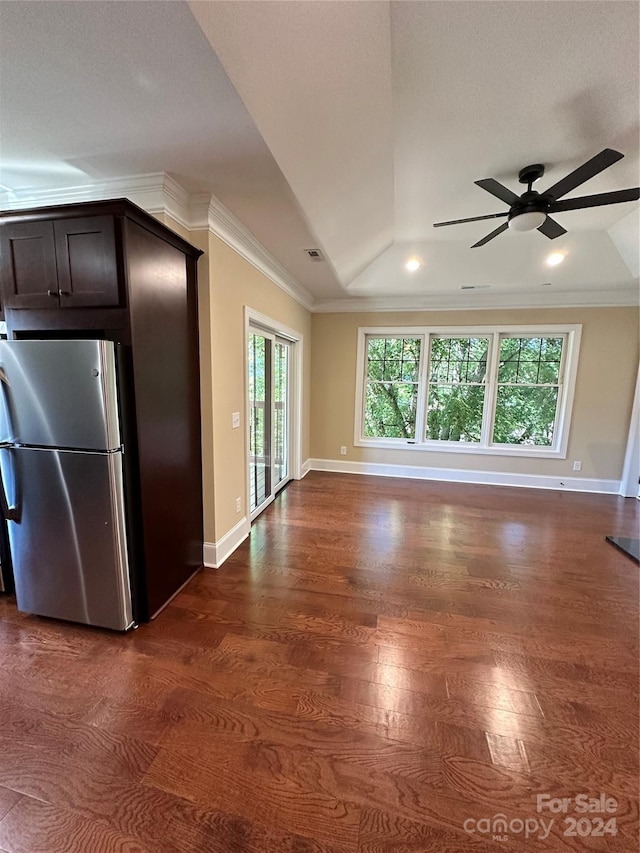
{"x":566,"y":388}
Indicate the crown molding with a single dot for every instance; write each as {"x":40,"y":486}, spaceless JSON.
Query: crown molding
{"x":482,"y":301}
{"x":160,"y":194}
{"x":155,"y":193}
{"x":206,"y":211}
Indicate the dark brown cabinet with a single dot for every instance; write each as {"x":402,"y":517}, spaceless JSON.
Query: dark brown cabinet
{"x":67,"y":263}
{"x":131,"y":280}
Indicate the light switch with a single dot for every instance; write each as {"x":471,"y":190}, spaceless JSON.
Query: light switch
{"x":235,"y":420}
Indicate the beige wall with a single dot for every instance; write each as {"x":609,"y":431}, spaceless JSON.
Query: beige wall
{"x":226,"y":283}
{"x":235,"y":283}
{"x":603,"y":398}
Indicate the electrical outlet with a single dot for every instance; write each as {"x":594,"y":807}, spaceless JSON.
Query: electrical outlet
{"x":238,"y":505}
{"x":577,"y":465}
{"x":235,"y":420}
{"x":343,"y":451}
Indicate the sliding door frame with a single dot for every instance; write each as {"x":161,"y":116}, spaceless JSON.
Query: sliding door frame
{"x":272,"y":328}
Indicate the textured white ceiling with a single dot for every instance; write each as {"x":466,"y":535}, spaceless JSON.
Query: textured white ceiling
{"x":94,"y":90}
{"x":351,"y":126}
{"x":317,"y":80}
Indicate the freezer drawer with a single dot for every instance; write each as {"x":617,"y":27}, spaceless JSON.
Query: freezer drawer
{"x":59,"y":394}
{"x":67,"y":538}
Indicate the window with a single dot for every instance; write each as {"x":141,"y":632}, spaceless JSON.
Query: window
{"x":392,"y":387}
{"x":455,"y":399}
{"x":484,"y":390}
{"x":528,"y":389}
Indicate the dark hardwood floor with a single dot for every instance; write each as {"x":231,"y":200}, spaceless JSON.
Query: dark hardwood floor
{"x":382,"y":665}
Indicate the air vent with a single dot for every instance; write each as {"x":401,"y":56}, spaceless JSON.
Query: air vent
{"x":314,"y":255}
{"x":475,"y":287}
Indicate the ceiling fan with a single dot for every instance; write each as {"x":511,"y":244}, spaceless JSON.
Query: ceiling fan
{"x":531,"y":209}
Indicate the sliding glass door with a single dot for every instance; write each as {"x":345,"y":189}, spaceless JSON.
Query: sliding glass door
{"x":280,"y":411}
{"x":259,"y":425}
{"x":269,"y":382}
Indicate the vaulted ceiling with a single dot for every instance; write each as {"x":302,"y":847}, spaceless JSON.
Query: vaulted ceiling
{"x":350,"y":127}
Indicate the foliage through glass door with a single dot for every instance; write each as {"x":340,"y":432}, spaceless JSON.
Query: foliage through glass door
{"x":268,"y":384}
{"x":281,"y":412}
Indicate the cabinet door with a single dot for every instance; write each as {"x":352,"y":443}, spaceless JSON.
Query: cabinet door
{"x":28,"y":266}
{"x":87,"y":266}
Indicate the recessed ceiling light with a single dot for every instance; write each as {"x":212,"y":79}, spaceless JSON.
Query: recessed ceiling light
{"x":554,"y":259}
{"x":413,"y":264}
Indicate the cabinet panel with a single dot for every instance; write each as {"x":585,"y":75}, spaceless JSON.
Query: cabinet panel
{"x":86,"y":259}
{"x":29,"y":277}
{"x":164,"y":335}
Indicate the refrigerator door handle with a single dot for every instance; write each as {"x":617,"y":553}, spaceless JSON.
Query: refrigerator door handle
{"x":6,"y":440}
{"x":9,"y":512}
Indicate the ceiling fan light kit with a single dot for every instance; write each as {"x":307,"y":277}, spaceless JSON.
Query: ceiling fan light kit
{"x":531,"y":210}
{"x":527,"y":220}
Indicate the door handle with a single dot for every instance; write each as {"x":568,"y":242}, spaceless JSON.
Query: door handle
{"x":53,"y":293}
{"x":9,"y":512}
{"x":64,"y":293}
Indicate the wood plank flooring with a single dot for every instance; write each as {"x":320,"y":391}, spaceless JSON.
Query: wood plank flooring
{"x":382,"y":665}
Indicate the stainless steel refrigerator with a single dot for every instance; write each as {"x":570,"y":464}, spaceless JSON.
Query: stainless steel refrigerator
{"x":61,"y":460}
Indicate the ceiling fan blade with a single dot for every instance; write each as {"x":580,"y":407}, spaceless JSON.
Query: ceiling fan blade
{"x":493,"y":234}
{"x":597,"y":164}
{"x":473,"y":219}
{"x":551,"y":229}
{"x":595,"y":200}
{"x":492,"y":186}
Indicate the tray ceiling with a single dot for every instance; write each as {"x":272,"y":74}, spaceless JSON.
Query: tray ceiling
{"x":346,"y":126}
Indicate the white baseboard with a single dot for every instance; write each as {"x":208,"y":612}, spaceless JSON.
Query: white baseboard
{"x":459,"y":475}
{"x":305,"y":468}
{"x":215,"y":553}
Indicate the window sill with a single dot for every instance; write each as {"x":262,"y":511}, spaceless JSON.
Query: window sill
{"x":467,"y":449}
